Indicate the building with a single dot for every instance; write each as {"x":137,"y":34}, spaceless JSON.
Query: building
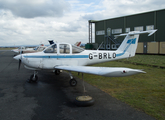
{"x":106,"y":29}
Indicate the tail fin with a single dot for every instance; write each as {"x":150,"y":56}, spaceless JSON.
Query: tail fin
{"x":77,"y":44}
{"x":130,"y":42}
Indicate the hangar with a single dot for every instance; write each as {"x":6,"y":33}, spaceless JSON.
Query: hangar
{"x":106,"y":29}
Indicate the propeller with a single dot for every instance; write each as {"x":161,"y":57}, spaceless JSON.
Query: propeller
{"x":19,"y":58}
{"x":19,"y":65}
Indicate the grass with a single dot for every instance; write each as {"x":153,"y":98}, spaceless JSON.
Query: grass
{"x":7,"y":48}
{"x":145,"y":92}
{"x":153,"y":60}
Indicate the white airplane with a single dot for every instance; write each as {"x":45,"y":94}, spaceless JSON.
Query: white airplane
{"x":64,"y":56}
{"x":23,"y":49}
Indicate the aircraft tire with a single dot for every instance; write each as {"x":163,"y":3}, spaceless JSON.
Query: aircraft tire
{"x":33,"y":79}
{"x":57,"y":72}
{"x":73,"y":82}
{"x":84,"y":101}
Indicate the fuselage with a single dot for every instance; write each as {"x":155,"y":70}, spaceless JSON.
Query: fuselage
{"x":68,"y":55}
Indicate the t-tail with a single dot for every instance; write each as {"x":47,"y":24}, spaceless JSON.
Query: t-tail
{"x":129,"y":44}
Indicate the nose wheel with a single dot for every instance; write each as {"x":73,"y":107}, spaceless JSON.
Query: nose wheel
{"x":57,"y":72}
{"x":33,"y":77}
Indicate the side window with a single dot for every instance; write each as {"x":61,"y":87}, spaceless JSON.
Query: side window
{"x":64,"y":49}
{"x":51,"y":49}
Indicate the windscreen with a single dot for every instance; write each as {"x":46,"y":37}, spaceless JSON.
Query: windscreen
{"x":51,"y":49}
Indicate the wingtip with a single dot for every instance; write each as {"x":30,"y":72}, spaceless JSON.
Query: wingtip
{"x":141,"y":71}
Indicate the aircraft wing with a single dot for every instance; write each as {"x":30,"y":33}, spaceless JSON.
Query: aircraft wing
{"x":103,"y":71}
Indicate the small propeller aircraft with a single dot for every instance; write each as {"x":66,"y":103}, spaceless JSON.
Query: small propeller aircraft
{"x":23,"y":49}
{"x":78,"y":44}
{"x":64,"y":56}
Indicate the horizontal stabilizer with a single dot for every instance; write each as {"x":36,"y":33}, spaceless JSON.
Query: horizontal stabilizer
{"x":150,"y":32}
{"x":102,"y":71}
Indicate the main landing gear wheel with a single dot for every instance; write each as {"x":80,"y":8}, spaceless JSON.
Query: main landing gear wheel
{"x":73,"y":82}
{"x":84,"y":101}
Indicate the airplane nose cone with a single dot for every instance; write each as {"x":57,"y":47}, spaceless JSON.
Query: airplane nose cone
{"x":18,"y":57}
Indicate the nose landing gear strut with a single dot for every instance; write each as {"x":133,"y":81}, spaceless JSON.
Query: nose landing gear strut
{"x":33,"y":77}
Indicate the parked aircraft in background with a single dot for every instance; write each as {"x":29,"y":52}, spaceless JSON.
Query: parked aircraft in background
{"x":23,"y":49}
{"x":64,"y":56}
{"x":78,"y":44}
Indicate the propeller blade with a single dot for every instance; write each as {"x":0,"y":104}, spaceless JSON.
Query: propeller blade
{"x":19,"y":64}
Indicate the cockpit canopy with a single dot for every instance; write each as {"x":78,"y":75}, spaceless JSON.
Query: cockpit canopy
{"x":63,"y":48}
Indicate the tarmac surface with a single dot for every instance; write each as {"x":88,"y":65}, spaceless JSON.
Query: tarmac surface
{"x":52,"y":98}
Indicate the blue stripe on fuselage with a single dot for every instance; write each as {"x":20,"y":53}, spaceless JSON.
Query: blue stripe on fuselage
{"x":58,"y":56}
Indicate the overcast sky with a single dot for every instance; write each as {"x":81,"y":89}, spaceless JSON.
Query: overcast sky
{"x":32,"y":22}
